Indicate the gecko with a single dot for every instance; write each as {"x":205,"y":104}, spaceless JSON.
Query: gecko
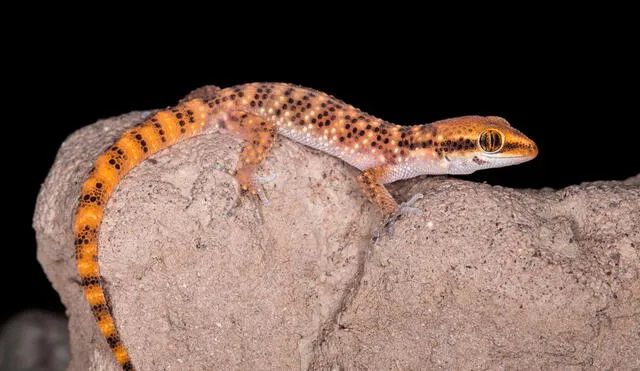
{"x":383,"y":152}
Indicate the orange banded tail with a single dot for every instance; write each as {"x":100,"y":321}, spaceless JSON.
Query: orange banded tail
{"x":160,"y":131}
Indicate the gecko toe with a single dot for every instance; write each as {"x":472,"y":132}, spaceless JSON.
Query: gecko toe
{"x":265,"y":179}
{"x":411,"y":202}
{"x":388,"y":225}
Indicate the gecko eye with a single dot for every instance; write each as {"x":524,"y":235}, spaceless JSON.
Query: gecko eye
{"x":491,"y":140}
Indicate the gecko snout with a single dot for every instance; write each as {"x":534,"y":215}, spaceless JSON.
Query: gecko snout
{"x":533,"y":150}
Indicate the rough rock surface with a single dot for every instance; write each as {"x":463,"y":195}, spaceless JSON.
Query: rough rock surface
{"x":486,"y":277}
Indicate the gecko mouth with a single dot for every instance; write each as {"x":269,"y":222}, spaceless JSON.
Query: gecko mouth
{"x":521,"y":156}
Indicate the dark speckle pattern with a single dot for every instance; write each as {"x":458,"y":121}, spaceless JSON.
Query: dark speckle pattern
{"x":256,"y":112}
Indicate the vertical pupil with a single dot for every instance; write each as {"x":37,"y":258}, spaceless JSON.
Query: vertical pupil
{"x":490,"y":141}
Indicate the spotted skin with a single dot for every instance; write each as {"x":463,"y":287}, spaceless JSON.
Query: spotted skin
{"x":256,"y":112}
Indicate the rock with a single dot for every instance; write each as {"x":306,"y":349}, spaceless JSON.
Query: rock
{"x":34,"y":340}
{"x":486,"y":277}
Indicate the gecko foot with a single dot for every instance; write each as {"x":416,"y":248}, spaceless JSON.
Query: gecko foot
{"x":405,"y":208}
{"x":254,"y":190}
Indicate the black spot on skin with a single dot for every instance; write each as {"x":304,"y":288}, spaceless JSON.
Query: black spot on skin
{"x":113,"y":341}
{"x":478,"y":161}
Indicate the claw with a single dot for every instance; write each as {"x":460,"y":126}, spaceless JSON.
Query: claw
{"x":257,"y":189}
{"x":262,"y":195}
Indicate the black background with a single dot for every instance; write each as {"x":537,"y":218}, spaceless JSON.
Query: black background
{"x":576,"y":96}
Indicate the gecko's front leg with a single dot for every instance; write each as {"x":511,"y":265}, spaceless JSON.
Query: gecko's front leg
{"x":372,"y":182}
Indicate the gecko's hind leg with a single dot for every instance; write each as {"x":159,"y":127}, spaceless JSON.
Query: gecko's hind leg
{"x":259,"y":136}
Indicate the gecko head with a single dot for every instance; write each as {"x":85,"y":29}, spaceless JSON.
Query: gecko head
{"x":482,"y":143}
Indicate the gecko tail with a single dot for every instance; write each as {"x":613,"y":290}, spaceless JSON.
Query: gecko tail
{"x":89,"y":271}
{"x":159,"y":131}
{"x":95,"y":295}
